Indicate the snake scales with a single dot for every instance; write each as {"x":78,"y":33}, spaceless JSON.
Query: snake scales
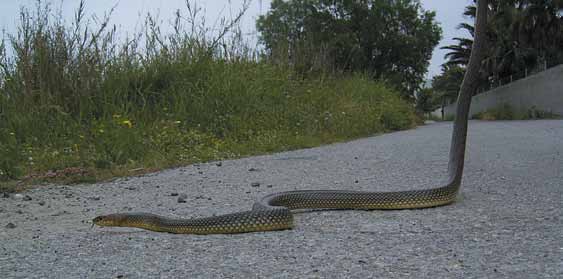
{"x":273,"y":211}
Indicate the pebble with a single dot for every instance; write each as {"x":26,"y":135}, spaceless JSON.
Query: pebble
{"x":252,"y":169}
{"x":173,"y":194}
{"x":41,"y":203}
{"x":219,"y":164}
{"x":59,"y":213}
{"x":182,"y":198}
{"x":10,"y":226}
{"x":27,"y":198}
{"x":18,"y":196}
{"x":255,"y":184}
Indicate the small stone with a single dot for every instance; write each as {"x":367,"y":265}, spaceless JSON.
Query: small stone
{"x":68,"y":196}
{"x":219,"y":164}
{"x":252,"y":169}
{"x":10,"y":226}
{"x":41,"y":203}
{"x":356,"y":181}
{"x":96,"y":198}
{"x":59,"y":213}
{"x":255,"y":184}
{"x":130,"y":188}
{"x":173,"y":194}
{"x":182,"y":198}
{"x":270,"y":186}
{"x":18,"y":196}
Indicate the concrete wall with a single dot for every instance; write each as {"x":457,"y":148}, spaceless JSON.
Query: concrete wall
{"x":544,"y":91}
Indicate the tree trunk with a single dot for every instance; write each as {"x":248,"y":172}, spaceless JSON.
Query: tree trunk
{"x":468,"y":87}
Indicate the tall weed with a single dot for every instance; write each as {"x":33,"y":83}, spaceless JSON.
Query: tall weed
{"x":76,"y":96}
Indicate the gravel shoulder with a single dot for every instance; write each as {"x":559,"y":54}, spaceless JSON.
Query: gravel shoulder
{"x":505,"y":224}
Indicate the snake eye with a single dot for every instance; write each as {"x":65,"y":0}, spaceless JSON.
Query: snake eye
{"x":100,"y":221}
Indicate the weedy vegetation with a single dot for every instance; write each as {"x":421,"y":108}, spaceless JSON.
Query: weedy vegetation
{"x":80,"y":102}
{"x":507,"y":112}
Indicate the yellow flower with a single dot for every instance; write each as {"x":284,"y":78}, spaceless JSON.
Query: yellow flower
{"x":127,"y":123}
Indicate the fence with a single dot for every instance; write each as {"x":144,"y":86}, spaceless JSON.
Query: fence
{"x":517,"y":76}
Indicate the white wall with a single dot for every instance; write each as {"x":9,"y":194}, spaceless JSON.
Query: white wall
{"x":544,"y":91}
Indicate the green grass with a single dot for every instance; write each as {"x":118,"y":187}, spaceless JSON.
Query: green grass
{"x":507,"y":112}
{"x":77,"y":105}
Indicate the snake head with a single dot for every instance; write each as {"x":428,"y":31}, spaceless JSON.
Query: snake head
{"x":111,"y":220}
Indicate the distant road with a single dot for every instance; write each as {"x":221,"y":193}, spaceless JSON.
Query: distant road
{"x":505,"y":224}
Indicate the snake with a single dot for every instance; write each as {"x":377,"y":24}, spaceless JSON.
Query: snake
{"x":273,"y":212}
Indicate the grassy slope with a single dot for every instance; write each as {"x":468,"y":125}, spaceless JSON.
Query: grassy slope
{"x":90,"y":112}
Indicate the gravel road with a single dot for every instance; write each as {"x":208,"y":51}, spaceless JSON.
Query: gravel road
{"x":506,"y":223}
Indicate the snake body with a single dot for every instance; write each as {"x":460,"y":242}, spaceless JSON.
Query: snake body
{"x":273,"y":212}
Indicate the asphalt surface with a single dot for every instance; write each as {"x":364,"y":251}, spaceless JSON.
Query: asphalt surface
{"x":505,"y":224}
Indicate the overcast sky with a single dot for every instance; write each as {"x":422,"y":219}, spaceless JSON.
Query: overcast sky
{"x":127,"y":15}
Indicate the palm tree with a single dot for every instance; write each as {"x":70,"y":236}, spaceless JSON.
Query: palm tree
{"x":459,"y":53}
{"x":521,"y":34}
{"x":542,"y":27}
